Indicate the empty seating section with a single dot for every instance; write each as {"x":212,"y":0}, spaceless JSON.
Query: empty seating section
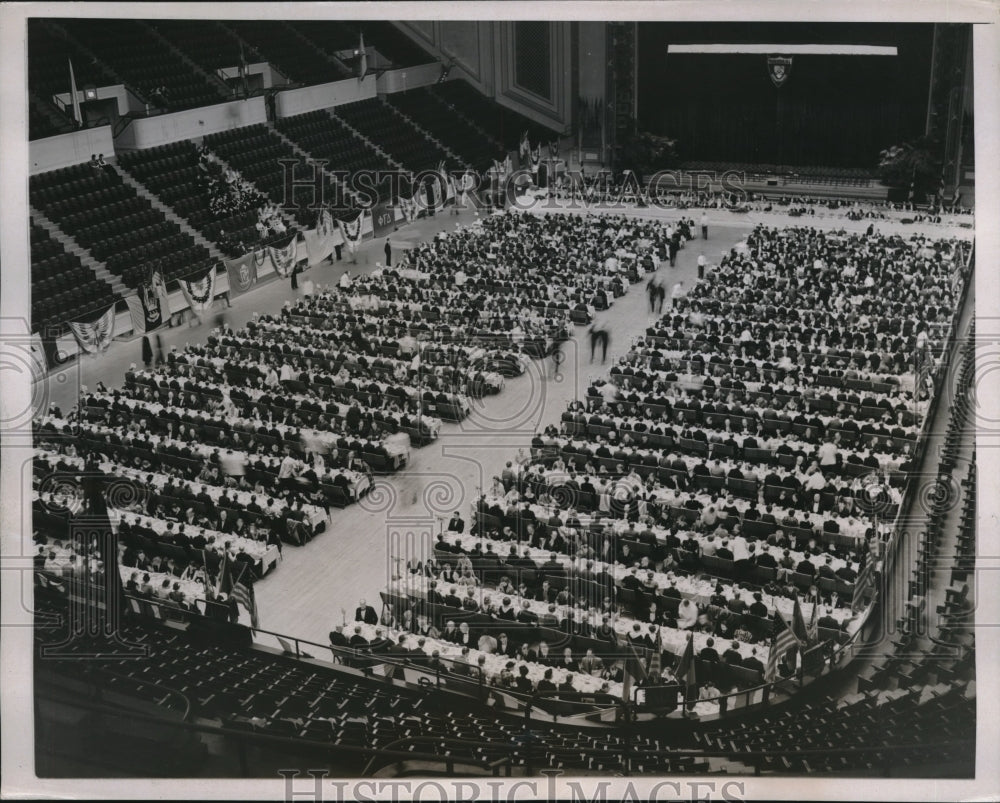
{"x":62,"y":289}
{"x":171,"y":172}
{"x":146,"y":63}
{"x":401,"y":140}
{"x":120,"y":229}
{"x":45,"y":119}
{"x":325,"y":137}
{"x":48,"y":63}
{"x":256,"y":153}
{"x":498,"y":121}
{"x":204,"y":42}
{"x":806,"y":174}
{"x":393,"y":44}
{"x":330,"y":36}
{"x":426,"y":110}
{"x":284,"y":49}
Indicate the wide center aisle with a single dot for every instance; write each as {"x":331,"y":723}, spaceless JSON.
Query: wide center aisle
{"x":321,"y":585}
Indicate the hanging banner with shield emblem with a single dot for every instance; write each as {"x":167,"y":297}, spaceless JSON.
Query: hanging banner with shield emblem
{"x":779,"y":68}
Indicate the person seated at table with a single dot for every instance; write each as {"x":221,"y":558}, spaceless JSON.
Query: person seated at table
{"x":687,"y":615}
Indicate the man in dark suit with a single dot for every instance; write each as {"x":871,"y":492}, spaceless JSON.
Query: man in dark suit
{"x":365,"y":613}
{"x":526,"y":616}
{"x":456,"y":524}
{"x":806,"y":567}
{"x":827,"y":621}
{"x":452,"y":600}
{"x":732,"y":655}
{"x":826,"y":570}
{"x":754,"y":663}
{"x":708,"y":652}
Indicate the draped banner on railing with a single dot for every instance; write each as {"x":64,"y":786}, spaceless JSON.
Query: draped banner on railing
{"x":321,"y":241}
{"x":409,"y":207}
{"x":243,"y":272}
{"x":148,"y":307}
{"x":283,"y":259}
{"x":199,"y":292}
{"x":97,"y":335}
{"x":351,"y":230}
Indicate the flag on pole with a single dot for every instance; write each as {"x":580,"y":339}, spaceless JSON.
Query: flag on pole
{"x":74,"y":98}
{"x":243,"y":593}
{"x":686,"y":673}
{"x":799,"y":624}
{"x":525,"y":150}
{"x":784,"y":642}
{"x":244,"y":73}
{"x":812,"y":633}
{"x":654,"y":669}
{"x":363,"y":61}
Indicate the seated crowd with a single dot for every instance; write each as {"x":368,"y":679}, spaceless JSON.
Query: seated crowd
{"x":744,"y":459}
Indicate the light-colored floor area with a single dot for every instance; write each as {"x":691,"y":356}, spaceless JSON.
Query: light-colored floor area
{"x":304,"y":596}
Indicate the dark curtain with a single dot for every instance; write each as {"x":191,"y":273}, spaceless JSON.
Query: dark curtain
{"x":832,"y":111}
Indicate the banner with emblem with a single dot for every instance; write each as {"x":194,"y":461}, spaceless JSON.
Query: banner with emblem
{"x":199,"y":291}
{"x":351,"y":230}
{"x":146,"y":306}
{"x":97,"y":335}
{"x":283,"y":259}
{"x":242,"y":273}
{"x":779,"y":68}
{"x":321,"y":241}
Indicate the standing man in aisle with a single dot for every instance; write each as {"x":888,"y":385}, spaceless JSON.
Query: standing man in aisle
{"x":701,"y":266}
{"x":388,"y":253}
{"x":704,"y":226}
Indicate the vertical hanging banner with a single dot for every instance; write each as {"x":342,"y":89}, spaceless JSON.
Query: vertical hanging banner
{"x":95,"y":336}
{"x":283,"y":259}
{"x":242,"y":273}
{"x":351,"y":230}
{"x":383,"y":219}
{"x":199,"y":292}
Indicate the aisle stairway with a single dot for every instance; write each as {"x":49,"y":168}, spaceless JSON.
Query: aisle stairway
{"x":73,"y":247}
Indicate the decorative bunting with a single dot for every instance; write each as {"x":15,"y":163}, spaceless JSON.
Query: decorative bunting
{"x":96,"y":336}
{"x":283,"y":259}
{"x":200,"y":292}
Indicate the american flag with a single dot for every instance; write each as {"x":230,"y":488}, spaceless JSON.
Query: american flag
{"x":783,"y":643}
{"x":244,"y":595}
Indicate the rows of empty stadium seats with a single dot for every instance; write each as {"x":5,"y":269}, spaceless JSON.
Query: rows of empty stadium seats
{"x":500,"y":122}
{"x":145,"y":62}
{"x":255,"y":152}
{"x":325,"y":137}
{"x":283,"y":48}
{"x":204,"y":42}
{"x":118,"y":227}
{"x":171,"y":172}
{"x":425,"y":109}
{"x":401,"y":140}
{"x":62,"y":289}
{"x":45,"y":119}
{"x":48,"y":69}
{"x":921,"y":718}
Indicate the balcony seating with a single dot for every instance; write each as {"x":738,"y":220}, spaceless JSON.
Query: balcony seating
{"x":401,"y":140}
{"x":324,"y":137}
{"x":498,"y":121}
{"x":171,"y":172}
{"x":48,"y":70}
{"x":118,"y":227}
{"x":62,"y":289}
{"x":256,"y":153}
{"x":282,"y":47}
{"x":145,"y":62}
{"x":426,"y":110}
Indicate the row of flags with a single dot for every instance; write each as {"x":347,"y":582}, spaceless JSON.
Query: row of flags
{"x":231,"y":581}
{"x":795,"y":637}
